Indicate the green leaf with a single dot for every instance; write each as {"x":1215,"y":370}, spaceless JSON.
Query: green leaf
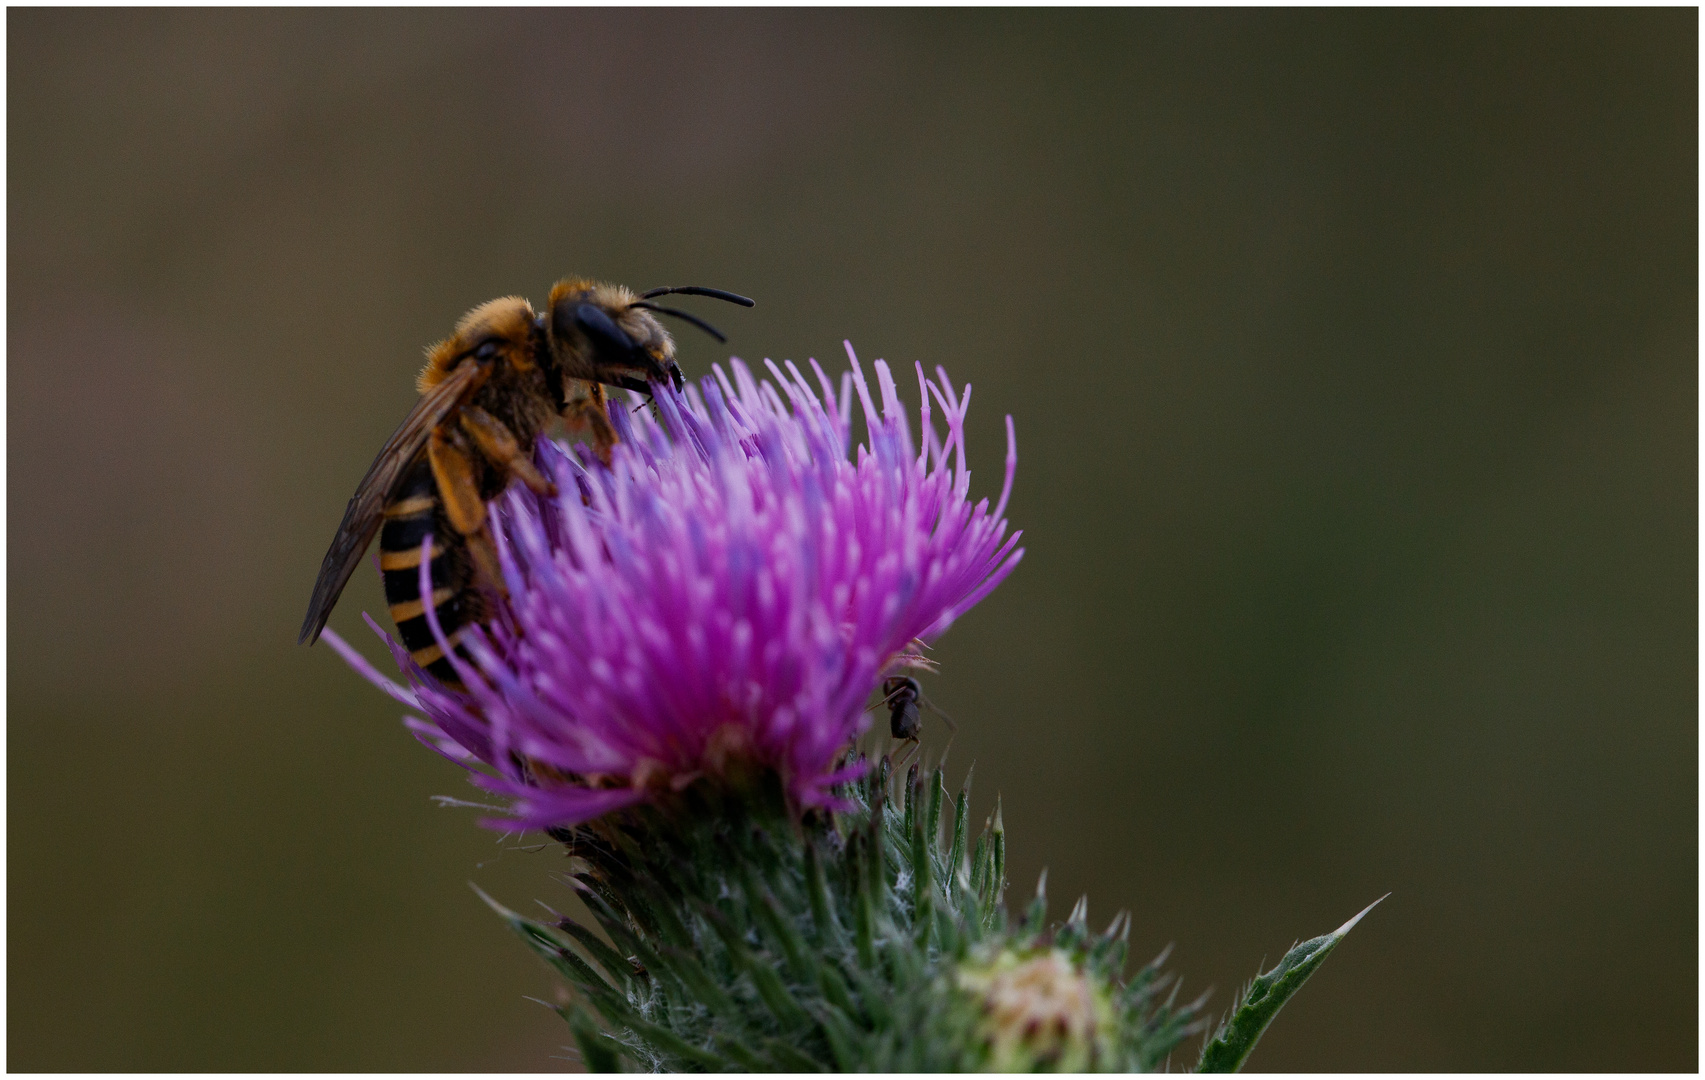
{"x":776,"y":927}
{"x":596,"y":1050}
{"x":546,"y":944}
{"x":789,"y":1059}
{"x":613,"y":963}
{"x":741,"y":1054}
{"x":875,"y":997}
{"x":686,"y":969}
{"x":864,"y":916}
{"x":956,"y":852}
{"x":923,"y":887}
{"x":817,"y":891}
{"x":878,"y":883}
{"x":1232,"y":1043}
{"x":932,"y":821}
{"x":836,"y":991}
{"x":763,"y":975}
{"x":840,"y":1036}
{"x":911,"y":801}
{"x":1036,"y":915}
{"x":668,"y":1042}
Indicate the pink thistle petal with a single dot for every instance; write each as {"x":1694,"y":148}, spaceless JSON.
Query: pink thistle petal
{"x":368,"y":671}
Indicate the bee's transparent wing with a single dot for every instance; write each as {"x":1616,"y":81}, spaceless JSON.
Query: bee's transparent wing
{"x":366,"y":509}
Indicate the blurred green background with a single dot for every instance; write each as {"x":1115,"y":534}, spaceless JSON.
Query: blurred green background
{"x":1353,"y":360}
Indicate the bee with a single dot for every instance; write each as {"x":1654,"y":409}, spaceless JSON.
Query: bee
{"x":486,"y":393}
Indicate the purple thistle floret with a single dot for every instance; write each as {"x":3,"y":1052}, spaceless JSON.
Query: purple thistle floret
{"x":728,"y":591}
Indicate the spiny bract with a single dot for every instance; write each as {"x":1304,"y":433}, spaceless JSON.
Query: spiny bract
{"x":747,"y":939}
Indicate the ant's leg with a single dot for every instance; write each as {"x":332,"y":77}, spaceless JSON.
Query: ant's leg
{"x":910,"y":754}
{"x":886,"y":699}
{"x":951,"y":726}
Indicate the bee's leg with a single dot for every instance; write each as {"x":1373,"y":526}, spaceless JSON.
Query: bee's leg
{"x":453,"y":469}
{"x":587,"y":410}
{"x":458,"y":486}
{"x":485,"y":560}
{"x":502,"y":449}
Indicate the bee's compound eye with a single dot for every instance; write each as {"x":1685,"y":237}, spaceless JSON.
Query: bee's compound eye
{"x":486,"y":351}
{"x":608,"y":340}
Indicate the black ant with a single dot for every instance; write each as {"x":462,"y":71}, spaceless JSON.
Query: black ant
{"x":903,"y":695}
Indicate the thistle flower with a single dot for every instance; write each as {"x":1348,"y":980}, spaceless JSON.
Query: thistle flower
{"x":723,"y":596}
{"x":716,"y":604}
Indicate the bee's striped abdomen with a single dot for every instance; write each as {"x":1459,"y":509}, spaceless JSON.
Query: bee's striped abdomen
{"x":413,"y":513}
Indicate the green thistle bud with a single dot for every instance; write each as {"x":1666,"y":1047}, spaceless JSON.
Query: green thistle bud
{"x":1040,"y":1011}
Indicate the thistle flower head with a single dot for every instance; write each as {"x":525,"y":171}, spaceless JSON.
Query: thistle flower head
{"x":726,"y":593}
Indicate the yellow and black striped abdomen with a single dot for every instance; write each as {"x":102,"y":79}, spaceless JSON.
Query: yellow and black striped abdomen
{"x":413,"y":513}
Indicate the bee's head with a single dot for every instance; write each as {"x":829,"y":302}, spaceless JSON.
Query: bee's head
{"x":499,"y":330}
{"x":604,"y":333}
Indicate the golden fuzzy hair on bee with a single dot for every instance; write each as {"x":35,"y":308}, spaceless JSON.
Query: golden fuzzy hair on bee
{"x":508,"y":318}
{"x":603,"y":294}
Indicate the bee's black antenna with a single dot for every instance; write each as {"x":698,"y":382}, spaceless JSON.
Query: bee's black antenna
{"x":700,"y":290}
{"x":694,"y":319}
